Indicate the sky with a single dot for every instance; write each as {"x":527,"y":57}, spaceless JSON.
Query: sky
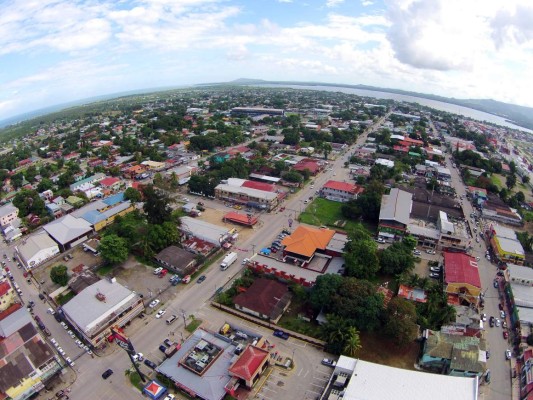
{"x":56,"y":51}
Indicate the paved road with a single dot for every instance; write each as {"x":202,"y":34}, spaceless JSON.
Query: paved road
{"x":500,"y":386}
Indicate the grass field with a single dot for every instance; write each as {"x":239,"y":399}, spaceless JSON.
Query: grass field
{"x":326,"y":212}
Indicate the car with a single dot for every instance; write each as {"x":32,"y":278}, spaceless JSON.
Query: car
{"x":167,"y":342}
{"x":61,"y":351}
{"x":497,"y":322}
{"x":434,"y":275}
{"x":60,"y":394}
{"x":505,"y":335}
{"x":487,"y":353}
{"x":500,"y":306}
{"x":381,"y":240}
{"x":274,"y":249}
{"x":170,"y":396}
{"x":282,"y":209}
{"x":477,"y":239}
{"x":477,"y":258}
{"x":154,"y":303}
{"x":491,"y":321}
{"x":41,"y":296}
{"x":160,"y":313}
{"x":502,"y":314}
{"x":71,"y":334}
{"x":484,"y":317}
{"x":416,"y":252}
{"x":150,"y":364}
{"x":281,"y":334}
{"x":57,"y":317}
{"x":50,"y":311}
{"x":306,"y":201}
{"x":487,"y":376}
{"x":328,"y":362}
{"x":499,"y":273}
{"x":434,"y":269}
{"x":312,"y":186}
{"x":163,"y":348}
{"x":158,"y":270}
{"x":245,"y":261}
{"x":107,"y":373}
{"x":488,"y":257}
{"x":138,"y":357}
{"x":508,"y":354}
{"x":495,"y":283}
{"x":70,"y":362}
{"x":201,"y":279}
{"x":504,"y":324}
{"x":429,"y":251}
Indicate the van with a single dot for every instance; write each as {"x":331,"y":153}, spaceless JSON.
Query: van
{"x":171,"y":319}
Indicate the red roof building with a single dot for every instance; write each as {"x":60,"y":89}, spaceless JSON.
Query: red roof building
{"x":250,"y":364}
{"x":309,"y":164}
{"x":341,"y":191}
{"x":526,"y":375}
{"x":243,"y":219}
{"x":266,"y":298}
{"x":461,"y":277}
{"x":266,"y":187}
{"x":4,"y":287}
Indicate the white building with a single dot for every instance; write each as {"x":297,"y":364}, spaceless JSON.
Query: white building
{"x":384,"y":162}
{"x":36,"y":249}
{"x":8,"y":213}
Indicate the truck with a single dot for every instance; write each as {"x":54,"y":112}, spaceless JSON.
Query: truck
{"x":172,"y":349}
{"x":228,"y":260}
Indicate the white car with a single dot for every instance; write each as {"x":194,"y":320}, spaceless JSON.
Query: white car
{"x":170,"y":397}
{"x":53,"y":341}
{"x":160,"y":313}
{"x":416,"y":252}
{"x":70,"y":362}
{"x":61,"y":351}
{"x":138,"y":357}
{"x":154,"y":303}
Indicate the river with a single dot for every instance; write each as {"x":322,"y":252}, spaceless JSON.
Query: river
{"x":438,"y":105}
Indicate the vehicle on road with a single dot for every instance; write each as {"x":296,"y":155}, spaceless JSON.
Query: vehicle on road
{"x":107,"y":373}
{"x":157,"y":271}
{"x":497,"y":322}
{"x":138,"y":357}
{"x":502,"y":314}
{"x":429,"y":251}
{"x":495,"y":283}
{"x":160,"y":313}
{"x":171,"y":319}
{"x":162,"y":347}
{"x":484,"y":317}
{"x":167,"y":342}
{"x":487,"y":376}
{"x":154,"y":303}
{"x":508,"y":354}
{"x":228,"y":260}
{"x":505,"y":335}
{"x":201,"y":279}
{"x":281,"y":334}
{"x":328,"y":362}
{"x":245,"y":261}
{"x":491,"y":322}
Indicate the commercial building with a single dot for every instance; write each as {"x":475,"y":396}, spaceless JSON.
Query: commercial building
{"x":248,"y":197}
{"x":36,"y":249}
{"x":505,"y":245}
{"x":27,"y":362}
{"x":7,"y":295}
{"x":461,"y":278}
{"x":215,"y":234}
{"x":519,"y":294}
{"x":340,"y":191}
{"x":256,"y":111}
{"x":8,"y":214}
{"x":97,"y":308}
{"x":68,"y":231}
{"x":394,"y":214}
{"x":102,"y":213}
{"x":302,"y":244}
{"x":361,"y":380}
{"x":87,"y":182}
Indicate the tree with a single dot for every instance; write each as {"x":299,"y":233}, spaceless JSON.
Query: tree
{"x":525,"y":179}
{"x":510,"y":182}
{"x":114,"y":249}
{"x":352,"y":342}
{"x":59,"y":275}
{"x":401,"y":321}
{"x":132,"y":195}
{"x":325,"y":287}
{"x":29,"y":201}
{"x":45,"y":184}
{"x":333,"y":332}
{"x":361,"y":254}
{"x":156,"y":205}
{"x":397,"y":258}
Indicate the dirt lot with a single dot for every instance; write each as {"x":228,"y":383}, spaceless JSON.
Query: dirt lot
{"x":214,"y":216}
{"x":421,"y":268}
{"x":381,"y":350}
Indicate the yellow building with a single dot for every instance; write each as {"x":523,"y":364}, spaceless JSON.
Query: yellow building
{"x":153,"y":165}
{"x":461,"y":278}
{"x":102,"y":213}
{"x":7,"y":295}
{"x":506,"y":246}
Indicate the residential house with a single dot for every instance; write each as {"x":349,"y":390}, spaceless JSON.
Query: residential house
{"x":265,"y":298}
{"x":8,"y":214}
{"x":340,"y":191}
{"x":177,"y":260}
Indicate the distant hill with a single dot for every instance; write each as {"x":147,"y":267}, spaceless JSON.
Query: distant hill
{"x":519,"y":115}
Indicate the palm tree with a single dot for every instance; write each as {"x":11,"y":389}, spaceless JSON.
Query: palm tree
{"x":352,"y":342}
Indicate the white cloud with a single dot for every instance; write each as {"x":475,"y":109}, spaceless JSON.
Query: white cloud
{"x":367,"y":3}
{"x":333,"y":3}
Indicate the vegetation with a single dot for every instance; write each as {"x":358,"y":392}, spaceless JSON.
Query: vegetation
{"x":59,"y":274}
{"x":114,"y":249}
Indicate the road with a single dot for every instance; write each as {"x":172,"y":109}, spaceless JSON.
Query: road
{"x":500,"y":386}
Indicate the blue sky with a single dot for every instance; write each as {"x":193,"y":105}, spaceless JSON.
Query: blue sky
{"x":55,"y":51}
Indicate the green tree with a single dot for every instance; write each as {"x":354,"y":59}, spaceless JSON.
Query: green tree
{"x":59,"y":275}
{"x":333,"y":332}
{"x":525,"y":179}
{"x":361,"y":254}
{"x":114,"y":249}
{"x":132,"y":195}
{"x":401,"y":321}
{"x":156,"y":205}
{"x":45,"y":184}
{"x":325,"y":287}
{"x":352,"y":342}
{"x":510,"y":182}
{"x":397,"y":259}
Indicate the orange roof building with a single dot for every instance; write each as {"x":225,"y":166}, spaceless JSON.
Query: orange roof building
{"x":305,"y":241}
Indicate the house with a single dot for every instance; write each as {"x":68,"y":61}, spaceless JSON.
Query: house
{"x":7,"y":295}
{"x":265,"y":298}
{"x":8,"y":214}
{"x":74,"y":201}
{"x":302,"y":244}
{"x":461,"y":278}
{"x":177,"y":260}
{"x":36,"y":249}
{"x":91,"y":180}
{"x":68,"y":231}
{"x":362,"y":380}
{"x":394,"y":214}
{"x":111,"y":183}
{"x":27,"y":362}
{"x":340,"y":191}
{"x":313,"y":166}
{"x":100,"y":307}
{"x":455,"y":355}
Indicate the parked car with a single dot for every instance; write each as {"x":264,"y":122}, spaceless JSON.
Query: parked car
{"x":167,"y":342}
{"x":281,"y":334}
{"x":508,"y":354}
{"x":170,"y":396}
{"x":502,"y":314}
{"x":154,"y":303}
{"x":150,"y":364}
{"x":434,"y":275}
{"x":416,"y":252}
{"x":107,"y":373}
{"x":491,"y":322}
{"x":487,"y":354}
{"x":505,"y":335}
{"x":500,"y":306}
{"x":429,"y":251}
{"x":495,"y":283}
{"x":163,"y":348}
{"x":497,"y":322}
{"x":434,"y":269}
{"x":484,"y":317}
{"x":138,"y":357}
{"x":328,"y":362}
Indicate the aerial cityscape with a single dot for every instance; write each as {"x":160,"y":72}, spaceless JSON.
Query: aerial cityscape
{"x":277,"y":199}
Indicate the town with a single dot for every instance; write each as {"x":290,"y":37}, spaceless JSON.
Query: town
{"x":265,"y":243}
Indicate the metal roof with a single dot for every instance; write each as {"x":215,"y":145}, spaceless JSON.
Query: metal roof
{"x":33,"y":244}
{"x":396,"y":206}
{"x":67,"y":228}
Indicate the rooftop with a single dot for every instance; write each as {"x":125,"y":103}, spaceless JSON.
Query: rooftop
{"x":264,"y":296}
{"x":396,"y":206}
{"x":247,"y":364}
{"x":67,"y":228}
{"x":306,"y":240}
{"x":35,"y":243}
{"x":461,"y":268}
{"x":343,"y":186}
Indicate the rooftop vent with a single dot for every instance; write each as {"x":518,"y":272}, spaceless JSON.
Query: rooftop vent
{"x":100,"y":297}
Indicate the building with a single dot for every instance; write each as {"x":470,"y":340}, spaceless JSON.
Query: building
{"x":505,"y":245}
{"x":177,"y":260}
{"x":256,"y":111}
{"x":302,"y":244}
{"x":27,"y":362}
{"x":207,"y":367}
{"x":309,"y":164}
{"x":456,"y":355}
{"x":36,"y":249}
{"x":526,"y":375}
{"x":7,"y":295}
{"x":394,"y":214}
{"x":451,"y":236}
{"x":265,"y":298}
{"x":68,"y":231}
{"x":101,"y":213}
{"x":111,"y":183}
{"x":90,"y":181}
{"x":519,"y":294}
{"x":103,"y":305}
{"x":340,"y":191}
{"x":362,"y":380}
{"x":217,"y":235}
{"x":461,"y":278}
{"x":8,"y":214}
{"x":248,"y":197}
